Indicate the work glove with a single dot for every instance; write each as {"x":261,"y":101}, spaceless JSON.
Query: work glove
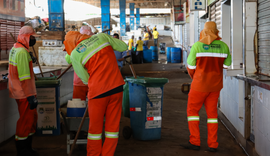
{"x":34,"y":60}
{"x":32,"y":102}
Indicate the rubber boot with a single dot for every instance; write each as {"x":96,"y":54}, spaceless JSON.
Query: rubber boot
{"x":21,"y":146}
{"x":29,"y":146}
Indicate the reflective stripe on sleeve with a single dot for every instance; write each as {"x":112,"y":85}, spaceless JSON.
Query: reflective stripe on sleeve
{"x":191,"y":67}
{"x":111,"y":134}
{"x":212,"y":120}
{"x":24,"y":77}
{"x":194,"y":118}
{"x":212,"y":55}
{"x":13,"y":63}
{"x":95,"y":50}
{"x":94,"y":136}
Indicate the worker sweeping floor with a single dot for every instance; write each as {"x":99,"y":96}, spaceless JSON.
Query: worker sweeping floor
{"x":174,"y":125}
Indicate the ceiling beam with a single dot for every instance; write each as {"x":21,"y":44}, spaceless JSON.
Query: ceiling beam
{"x":150,"y":1}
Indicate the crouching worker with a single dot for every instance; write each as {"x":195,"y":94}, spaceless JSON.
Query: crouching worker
{"x":22,"y":88}
{"x":94,"y":61}
{"x":80,"y":89}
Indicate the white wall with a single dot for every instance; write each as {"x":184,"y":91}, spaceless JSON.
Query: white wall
{"x":237,"y":34}
{"x":232,"y":102}
{"x":251,"y":26}
{"x":261,"y":120}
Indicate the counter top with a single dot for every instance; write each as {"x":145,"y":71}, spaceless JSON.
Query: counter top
{"x":45,"y":70}
{"x":258,"y":80}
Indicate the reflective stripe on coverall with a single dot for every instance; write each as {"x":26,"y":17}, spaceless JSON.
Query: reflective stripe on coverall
{"x":205,"y":67}
{"x":22,"y":83}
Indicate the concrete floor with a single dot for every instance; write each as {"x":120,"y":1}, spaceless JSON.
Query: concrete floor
{"x":174,"y":124}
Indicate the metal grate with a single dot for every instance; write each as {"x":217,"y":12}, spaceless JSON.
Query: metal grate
{"x":264,"y":37}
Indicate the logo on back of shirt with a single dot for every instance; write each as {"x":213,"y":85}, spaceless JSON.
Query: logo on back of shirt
{"x":206,"y":47}
{"x":81,"y":48}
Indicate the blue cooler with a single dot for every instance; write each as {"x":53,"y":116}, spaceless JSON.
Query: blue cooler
{"x":76,"y":108}
{"x":146,"y":100}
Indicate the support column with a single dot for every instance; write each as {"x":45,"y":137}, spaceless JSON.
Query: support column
{"x":131,"y":7}
{"x":105,"y":15}
{"x":122,"y":4}
{"x":137,"y":18}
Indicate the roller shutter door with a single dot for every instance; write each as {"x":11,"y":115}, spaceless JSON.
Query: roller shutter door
{"x":264,"y":36}
{"x":215,"y":15}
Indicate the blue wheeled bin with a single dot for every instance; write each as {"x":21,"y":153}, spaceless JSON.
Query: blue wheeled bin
{"x":168,"y":49}
{"x":146,"y":100}
{"x":48,"y":96}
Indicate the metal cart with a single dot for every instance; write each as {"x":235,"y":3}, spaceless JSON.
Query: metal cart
{"x":72,"y":125}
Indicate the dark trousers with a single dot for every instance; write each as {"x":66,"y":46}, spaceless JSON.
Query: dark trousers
{"x":156,"y":42}
{"x":145,"y":43}
{"x":140,"y":56}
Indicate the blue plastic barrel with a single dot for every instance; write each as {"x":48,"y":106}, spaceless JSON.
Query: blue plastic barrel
{"x":145,"y":48}
{"x":154,"y":52}
{"x":175,"y":55}
{"x":147,"y":56}
{"x":168,"y":49}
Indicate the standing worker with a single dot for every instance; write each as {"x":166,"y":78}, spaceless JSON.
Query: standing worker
{"x":146,"y":38}
{"x":130,"y":44}
{"x":80,"y":90}
{"x":139,"y":47}
{"x":22,"y":88}
{"x":155,"y":34}
{"x":206,"y":61}
{"x":94,"y":61}
{"x":119,"y":55}
{"x":155,"y":27}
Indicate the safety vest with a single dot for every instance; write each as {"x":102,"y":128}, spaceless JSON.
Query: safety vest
{"x":21,"y":76}
{"x":89,"y":47}
{"x":207,"y":61}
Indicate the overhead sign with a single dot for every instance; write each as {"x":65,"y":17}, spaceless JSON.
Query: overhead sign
{"x":197,"y":5}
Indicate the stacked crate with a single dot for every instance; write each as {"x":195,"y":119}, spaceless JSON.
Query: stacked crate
{"x":6,"y":41}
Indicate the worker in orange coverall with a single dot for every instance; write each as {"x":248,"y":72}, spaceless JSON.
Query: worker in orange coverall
{"x":80,"y":90}
{"x":94,"y":61}
{"x":206,"y":61}
{"x":22,"y":88}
